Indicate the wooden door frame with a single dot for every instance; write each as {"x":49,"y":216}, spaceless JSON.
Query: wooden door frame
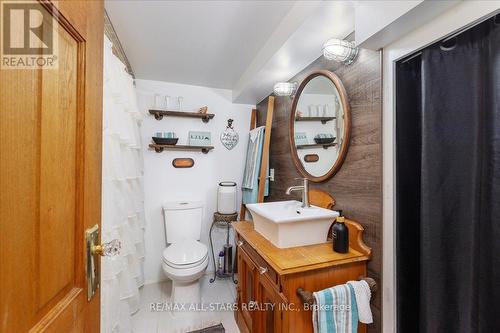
{"x":464,"y":14}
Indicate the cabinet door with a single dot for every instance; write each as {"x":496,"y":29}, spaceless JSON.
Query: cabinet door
{"x":271,"y":307}
{"x":247,"y":280}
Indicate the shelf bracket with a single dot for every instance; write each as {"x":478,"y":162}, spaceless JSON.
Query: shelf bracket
{"x":159,"y":114}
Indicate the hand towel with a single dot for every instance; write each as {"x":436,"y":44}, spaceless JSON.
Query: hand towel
{"x":363,"y":294}
{"x":254,"y":150}
{"x":251,"y":174}
{"x":335,"y":310}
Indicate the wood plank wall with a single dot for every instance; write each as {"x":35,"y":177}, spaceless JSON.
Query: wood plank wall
{"x":357,"y":187}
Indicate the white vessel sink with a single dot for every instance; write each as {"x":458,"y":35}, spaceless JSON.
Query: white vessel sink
{"x":287,"y":224}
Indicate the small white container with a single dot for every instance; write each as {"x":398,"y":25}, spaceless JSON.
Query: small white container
{"x":226,"y":198}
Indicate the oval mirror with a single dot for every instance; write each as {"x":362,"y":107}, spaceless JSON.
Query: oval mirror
{"x":320,"y":126}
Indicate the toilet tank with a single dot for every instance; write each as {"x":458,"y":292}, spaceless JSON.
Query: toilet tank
{"x":182,"y":220}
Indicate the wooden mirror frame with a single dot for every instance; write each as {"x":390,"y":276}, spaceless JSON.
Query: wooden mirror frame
{"x":347,"y":126}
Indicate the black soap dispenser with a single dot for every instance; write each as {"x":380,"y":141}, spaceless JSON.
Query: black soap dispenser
{"x":340,"y":235}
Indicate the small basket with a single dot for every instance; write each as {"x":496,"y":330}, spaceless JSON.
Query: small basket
{"x":222,"y":220}
{"x":324,"y":141}
{"x":165,"y":141}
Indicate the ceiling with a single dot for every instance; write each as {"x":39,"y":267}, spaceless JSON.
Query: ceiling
{"x":207,"y":43}
{"x":239,"y":45}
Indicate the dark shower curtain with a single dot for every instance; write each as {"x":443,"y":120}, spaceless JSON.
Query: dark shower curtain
{"x":448,"y":185}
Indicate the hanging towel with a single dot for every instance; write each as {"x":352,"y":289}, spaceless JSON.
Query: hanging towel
{"x":250,"y":184}
{"x":254,"y":150}
{"x":335,"y":310}
{"x":363,"y":294}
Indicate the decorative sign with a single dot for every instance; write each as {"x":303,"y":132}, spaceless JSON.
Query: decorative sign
{"x":200,"y":138}
{"x":311,"y":158}
{"x":229,"y":137}
{"x":183,"y":163}
{"x":301,"y":138}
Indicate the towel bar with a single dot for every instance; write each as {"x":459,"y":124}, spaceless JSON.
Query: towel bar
{"x":307,"y":296}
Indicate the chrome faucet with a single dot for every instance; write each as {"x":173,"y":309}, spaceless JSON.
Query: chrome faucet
{"x":305,"y":191}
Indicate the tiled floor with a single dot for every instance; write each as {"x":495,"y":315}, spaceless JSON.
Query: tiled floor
{"x":148,"y":321}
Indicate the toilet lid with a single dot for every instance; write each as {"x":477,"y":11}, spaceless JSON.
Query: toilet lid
{"x":185,"y":252}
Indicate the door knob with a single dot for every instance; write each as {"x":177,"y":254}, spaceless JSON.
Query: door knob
{"x":109,"y":249}
{"x":92,"y":268}
{"x":252,"y":305}
{"x":262,"y":270}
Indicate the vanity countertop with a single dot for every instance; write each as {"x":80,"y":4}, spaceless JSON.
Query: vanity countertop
{"x":301,"y":258}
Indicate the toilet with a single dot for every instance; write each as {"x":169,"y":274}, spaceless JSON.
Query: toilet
{"x":185,"y":259}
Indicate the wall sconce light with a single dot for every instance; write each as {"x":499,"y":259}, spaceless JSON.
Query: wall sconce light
{"x":285,"y":88}
{"x":340,"y":50}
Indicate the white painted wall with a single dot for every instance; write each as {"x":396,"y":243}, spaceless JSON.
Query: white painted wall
{"x":455,"y":19}
{"x":296,"y":43}
{"x":378,"y":23}
{"x":163,"y":182}
{"x":370,"y":17}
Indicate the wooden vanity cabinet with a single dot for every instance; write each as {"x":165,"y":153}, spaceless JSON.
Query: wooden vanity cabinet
{"x":256,"y":289}
{"x":268,"y":278}
{"x":271,"y":318}
{"x":247,"y":288}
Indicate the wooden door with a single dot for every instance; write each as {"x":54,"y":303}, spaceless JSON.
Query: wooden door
{"x":272,"y":306}
{"x":50,"y":177}
{"x":247,"y":280}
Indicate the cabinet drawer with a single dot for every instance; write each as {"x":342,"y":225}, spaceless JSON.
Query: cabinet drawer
{"x":263,"y":267}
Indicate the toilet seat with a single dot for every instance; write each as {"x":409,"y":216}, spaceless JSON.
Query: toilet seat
{"x":185,"y":266}
{"x":185,"y":254}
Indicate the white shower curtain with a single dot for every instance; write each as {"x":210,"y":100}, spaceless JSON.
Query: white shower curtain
{"x":122,"y":197}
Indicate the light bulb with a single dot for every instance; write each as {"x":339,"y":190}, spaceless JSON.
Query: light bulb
{"x":340,"y":50}
{"x":284,"y":88}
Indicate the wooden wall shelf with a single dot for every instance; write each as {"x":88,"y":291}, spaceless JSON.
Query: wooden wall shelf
{"x":323,"y":120}
{"x":159,"y":114}
{"x":317,"y":145}
{"x":160,"y":148}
